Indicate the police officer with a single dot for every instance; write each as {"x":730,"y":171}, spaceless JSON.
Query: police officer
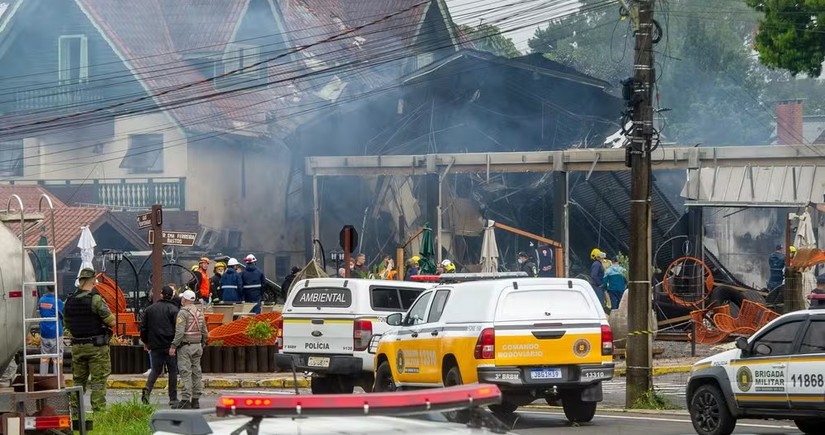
{"x":88,"y":322}
{"x":190,"y":337}
{"x":252,"y":279}
{"x":525,"y":265}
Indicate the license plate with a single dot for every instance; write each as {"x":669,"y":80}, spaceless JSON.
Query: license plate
{"x":545,"y":374}
{"x":317,"y":361}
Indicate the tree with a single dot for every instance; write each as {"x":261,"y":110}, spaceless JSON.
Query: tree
{"x":791,"y":34}
{"x":487,"y":37}
{"x":708,"y":85}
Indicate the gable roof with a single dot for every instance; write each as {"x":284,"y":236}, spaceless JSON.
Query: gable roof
{"x":67,"y":220}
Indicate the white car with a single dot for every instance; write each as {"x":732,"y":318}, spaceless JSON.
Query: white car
{"x":779,"y":373}
{"x":362,"y":414}
{"x":327,"y":325}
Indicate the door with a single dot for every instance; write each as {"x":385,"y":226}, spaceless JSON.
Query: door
{"x":430,"y":338}
{"x":319,"y":322}
{"x":760,"y":378}
{"x":806,"y":369}
{"x":407,"y":360}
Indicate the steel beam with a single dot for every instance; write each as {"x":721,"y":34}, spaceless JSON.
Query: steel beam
{"x":574,"y":160}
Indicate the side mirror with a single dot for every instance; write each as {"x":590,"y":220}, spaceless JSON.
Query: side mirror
{"x":742,"y":343}
{"x":763,"y":349}
{"x":394,"y":319}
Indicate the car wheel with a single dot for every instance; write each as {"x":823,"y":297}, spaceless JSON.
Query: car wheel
{"x":504,"y":409}
{"x":383,"y":379}
{"x":451,"y":379}
{"x":341,"y":384}
{"x":320,"y":385}
{"x":810,"y":426}
{"x":575,"y":409}
{"x":709,"y":413}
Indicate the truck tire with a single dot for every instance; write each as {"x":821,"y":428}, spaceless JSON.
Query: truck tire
{"x":453,"y":378}
{"x":332,"y":384}
{"x":575,"y":409}
{"x":504,"y":409}
{"x":320,"y":385}
{"x":709,"y":413}
{"x":810,"y":426}
{"x":384,"y":382}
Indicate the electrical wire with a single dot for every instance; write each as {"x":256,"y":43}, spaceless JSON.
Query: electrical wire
{"x":98,"y":160}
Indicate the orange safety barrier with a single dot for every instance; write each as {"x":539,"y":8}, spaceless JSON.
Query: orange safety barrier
{"x":746,"y":323}
{"x":106,"y":287}
{"x":232,"y":334}
{"x":705,"y":334}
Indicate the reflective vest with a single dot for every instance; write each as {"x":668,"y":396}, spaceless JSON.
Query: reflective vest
{"x":192,"y":333}
{"x":204,"y":283}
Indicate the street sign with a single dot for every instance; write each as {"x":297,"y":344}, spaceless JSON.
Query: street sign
{"x":175,"y":238}
{"x":144,"y":220}
{"x":353,"y":238}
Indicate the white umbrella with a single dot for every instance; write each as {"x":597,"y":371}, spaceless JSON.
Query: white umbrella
{"x":87,"y":244}
{"x":489,"y":249}
{"x":805,"y":239}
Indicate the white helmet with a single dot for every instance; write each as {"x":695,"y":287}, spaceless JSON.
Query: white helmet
{"x":233,"y":262}
{"x":250,"y":259}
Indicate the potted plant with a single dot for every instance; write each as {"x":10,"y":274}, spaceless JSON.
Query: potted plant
{"x":262,"y":335}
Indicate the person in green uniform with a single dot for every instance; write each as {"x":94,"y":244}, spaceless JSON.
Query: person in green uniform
{"x":89,"y":324}
{"x":190,"y":337}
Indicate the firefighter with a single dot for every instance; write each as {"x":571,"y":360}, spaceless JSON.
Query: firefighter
{"x":88,"y":322}
{"x":525,"y":265}
{"x":252,"y":279}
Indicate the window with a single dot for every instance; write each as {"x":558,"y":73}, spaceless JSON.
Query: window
{"x":11,"y":158}
{"x":243,"y":56}
{"x":418,"y":312}
{"x":73,"y":59}
{"x":779,"y":340}
{"x":145,"y":153}
{"x":392,"y":299}
{"x":814,"y":340}
{"x":438,"y":305}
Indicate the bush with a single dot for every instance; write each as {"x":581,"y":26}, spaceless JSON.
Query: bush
{"x":261,"y":333}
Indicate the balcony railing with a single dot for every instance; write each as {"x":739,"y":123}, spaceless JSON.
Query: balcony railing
{"x":118,"y":194}
{"x":59,"y":97}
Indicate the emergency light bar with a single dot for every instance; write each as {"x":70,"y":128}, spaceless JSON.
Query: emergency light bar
{"x":408,"y":402}
{"x":461,"y":277}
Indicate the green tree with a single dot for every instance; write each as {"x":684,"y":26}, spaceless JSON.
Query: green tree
{"x":791,"y":34}
{"x":487,"y":37}
{"x":708,"y":86}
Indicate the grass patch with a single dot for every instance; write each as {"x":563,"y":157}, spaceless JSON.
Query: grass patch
{"x":124,"y":418}
{"x":653,"y":400}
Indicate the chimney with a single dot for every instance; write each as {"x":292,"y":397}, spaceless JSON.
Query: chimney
{"x":789,"y":122}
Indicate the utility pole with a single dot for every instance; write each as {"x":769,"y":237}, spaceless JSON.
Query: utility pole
{"x":157,"y":252}
{"x":639,"y":357}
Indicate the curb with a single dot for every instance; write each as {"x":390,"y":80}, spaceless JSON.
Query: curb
{"x":139,"y":384}
{"x":673,"y":412}
{"x":658,"y":371}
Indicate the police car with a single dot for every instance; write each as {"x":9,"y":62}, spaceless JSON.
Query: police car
{"x":533,"y":337}
{"x":779,"y":373}
{"x":342,"y":414}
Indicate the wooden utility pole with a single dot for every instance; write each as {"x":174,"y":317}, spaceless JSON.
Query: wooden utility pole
{"x":639,"y":357}
{"x":157,"y":252}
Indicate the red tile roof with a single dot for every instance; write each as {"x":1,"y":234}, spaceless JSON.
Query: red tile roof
{"x":67,"y":220}
{"x":29,"y":193}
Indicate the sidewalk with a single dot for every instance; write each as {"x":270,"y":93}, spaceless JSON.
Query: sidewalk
{"x":286,"y":380}
{"x":213,"y":381}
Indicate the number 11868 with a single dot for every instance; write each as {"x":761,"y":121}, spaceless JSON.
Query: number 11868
{"x":808,"y":380}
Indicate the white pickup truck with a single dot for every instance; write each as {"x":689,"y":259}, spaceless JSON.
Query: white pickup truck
{"x":327,"y":325}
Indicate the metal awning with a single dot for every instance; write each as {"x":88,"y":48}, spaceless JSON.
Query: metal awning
{"x":755,"y":186}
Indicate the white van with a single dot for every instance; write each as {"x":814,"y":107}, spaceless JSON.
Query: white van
{"x":327,"y":325}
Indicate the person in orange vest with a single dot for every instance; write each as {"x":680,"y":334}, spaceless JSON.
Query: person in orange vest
{"x":200,"y":283}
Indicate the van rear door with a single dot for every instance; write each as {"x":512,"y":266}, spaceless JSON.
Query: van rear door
{"x":540,"y":325}
{"x":319,"y":320}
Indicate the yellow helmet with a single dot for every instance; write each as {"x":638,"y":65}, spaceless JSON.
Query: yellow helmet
{"x":220,"y":264}
{"x":415,"y":258}
{"x":195,"y":268}
{"x":449,"y":267}
{"x":594,"y":254}
{"x":792,"y":249}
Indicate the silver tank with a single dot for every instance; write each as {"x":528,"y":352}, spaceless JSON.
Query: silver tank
{"x":11,"y":309}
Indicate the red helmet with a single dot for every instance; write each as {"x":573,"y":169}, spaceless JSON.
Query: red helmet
{"x":250,"y":259}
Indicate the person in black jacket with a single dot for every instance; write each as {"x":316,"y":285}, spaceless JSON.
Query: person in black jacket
{"x":157,"y":330}
{"x":215,"y":281}
{"x":288,"y":281}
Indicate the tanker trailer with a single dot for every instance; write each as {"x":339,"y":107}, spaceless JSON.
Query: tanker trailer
{"x":12,"y":294}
